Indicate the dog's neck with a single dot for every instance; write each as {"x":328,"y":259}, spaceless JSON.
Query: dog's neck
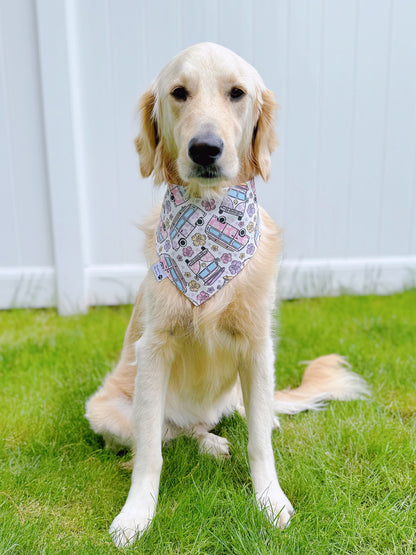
{"x":201,"y":190}
{"x":202,"y":243}
{"x":204,"y":189}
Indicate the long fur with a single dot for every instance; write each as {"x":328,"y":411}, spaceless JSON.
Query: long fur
{"x":183,"y":367}
{"x":327,"y":378}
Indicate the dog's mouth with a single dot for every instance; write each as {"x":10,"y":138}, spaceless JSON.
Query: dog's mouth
{"x":206,"y":182}
{"x":211,"y":172}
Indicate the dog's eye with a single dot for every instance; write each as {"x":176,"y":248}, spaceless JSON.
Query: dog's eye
{"x":180,"y":93}
{"x":236,"y":93}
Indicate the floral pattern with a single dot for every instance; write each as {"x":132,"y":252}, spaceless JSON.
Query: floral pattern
{"x":187,"y":251}
{"x":235,"y":267}
{"x":207,"y":242}
{"x":250,"y":249}
{"x":209,"y":204}
{"x":202,"y":297}
{"x":194,"y":286}
{"x":251,"y":209}
{"x":198,"y":239}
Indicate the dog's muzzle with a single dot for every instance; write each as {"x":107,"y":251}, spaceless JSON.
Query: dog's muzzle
{"x":204,"y":151}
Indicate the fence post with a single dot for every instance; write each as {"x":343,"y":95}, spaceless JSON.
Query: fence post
{"x":60,"y":118}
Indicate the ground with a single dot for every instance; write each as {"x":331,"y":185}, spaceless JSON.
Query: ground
{"x":349,"y":470}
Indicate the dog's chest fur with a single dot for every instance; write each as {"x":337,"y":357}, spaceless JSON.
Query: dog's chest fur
{"x":202,"y":379}
{"x":208,"y":341}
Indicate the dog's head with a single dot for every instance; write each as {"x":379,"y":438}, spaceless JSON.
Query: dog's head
{"x":207,"y":121}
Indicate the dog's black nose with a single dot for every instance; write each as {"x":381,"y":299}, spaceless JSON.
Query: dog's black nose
{"x":205,"y":149}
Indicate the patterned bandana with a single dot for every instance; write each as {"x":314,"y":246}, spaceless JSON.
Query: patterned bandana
{"x":203,"y":244}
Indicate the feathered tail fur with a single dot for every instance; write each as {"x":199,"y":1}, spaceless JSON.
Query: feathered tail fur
{"x":326,"y":378}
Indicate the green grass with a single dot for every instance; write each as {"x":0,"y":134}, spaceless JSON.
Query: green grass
{"x":350,"y":471}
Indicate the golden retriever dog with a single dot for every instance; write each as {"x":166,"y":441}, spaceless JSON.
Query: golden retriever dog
{"x":207,"y":132}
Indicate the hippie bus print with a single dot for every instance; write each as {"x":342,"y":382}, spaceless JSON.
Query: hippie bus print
{"x":205,"y":266}
{"x":235,"y":201}
{"x":178,"y":195}
{"x":184,"y":223}
{"x":225,"y":234}
{"x":161,"y":232}
{"x":171,"y":268}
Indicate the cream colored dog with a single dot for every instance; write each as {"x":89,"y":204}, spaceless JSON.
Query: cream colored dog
{"x":207,"y":124}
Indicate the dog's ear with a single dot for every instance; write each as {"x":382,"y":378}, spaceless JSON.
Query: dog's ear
{"x":147,"y":140}
{"x":264,"y":136}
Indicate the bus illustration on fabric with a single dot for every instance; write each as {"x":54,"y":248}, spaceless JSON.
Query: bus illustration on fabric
{"x":205,"y":266}
{"x":235,"y":201}
{"x":225,"y":234}
{"x":184,"y":223}
{"x":171,"y":268}
{"x":161,"y":232}
{"x":178,"y":195}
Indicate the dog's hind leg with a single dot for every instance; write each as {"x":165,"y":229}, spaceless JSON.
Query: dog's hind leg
{"x":110,"y":415}
{"x":211,"y":444}
{"x":109,"y":410}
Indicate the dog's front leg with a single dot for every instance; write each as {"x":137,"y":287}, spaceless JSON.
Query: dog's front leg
{"x":148,"y":413}
{"x":257,"y":382}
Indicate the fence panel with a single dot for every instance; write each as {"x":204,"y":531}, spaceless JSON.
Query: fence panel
{"x":343,"y":184}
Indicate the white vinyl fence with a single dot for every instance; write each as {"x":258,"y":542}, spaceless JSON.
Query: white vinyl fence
{"x":343,"y":185}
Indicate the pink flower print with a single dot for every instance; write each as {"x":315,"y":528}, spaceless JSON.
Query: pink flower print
{"x":235,"y":267}
{"x":226,"y":257}
{"x":188,"y":252}
{"x":208,"y":204}
{"x":202,"y":296}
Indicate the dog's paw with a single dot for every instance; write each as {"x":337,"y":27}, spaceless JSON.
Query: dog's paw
{"x":277,"y":508}
{"x":214,"y":445}
{"x":128,"y":526}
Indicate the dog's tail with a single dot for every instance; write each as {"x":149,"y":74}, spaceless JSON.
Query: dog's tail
{"x":326,"y":378}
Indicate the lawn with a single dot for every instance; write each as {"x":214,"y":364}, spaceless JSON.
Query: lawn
{"x":350,"y":471}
